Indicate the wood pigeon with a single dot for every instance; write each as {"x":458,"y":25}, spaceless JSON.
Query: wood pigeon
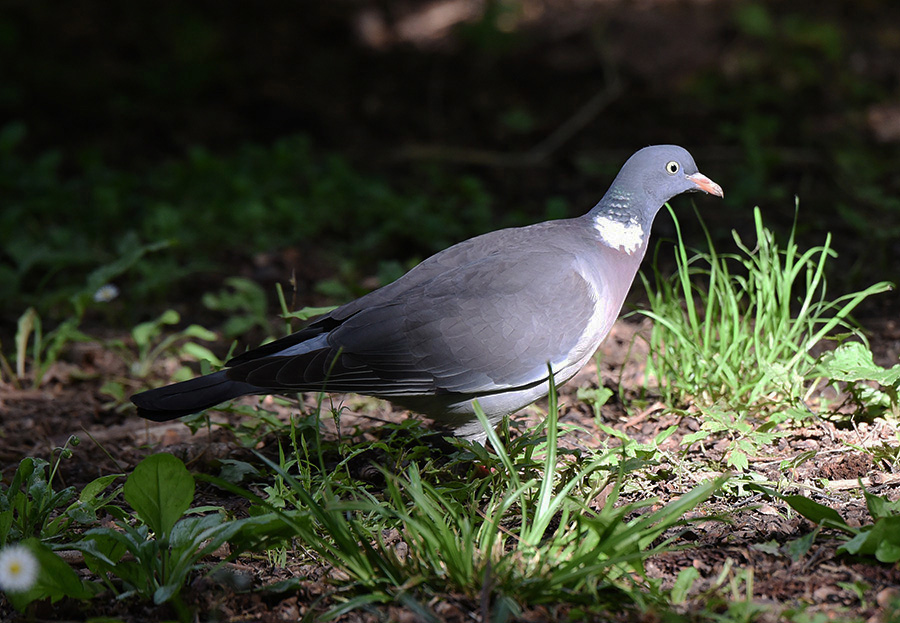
{"x":481,"y":320}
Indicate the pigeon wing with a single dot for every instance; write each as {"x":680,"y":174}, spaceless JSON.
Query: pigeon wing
{"x":488,"y":325}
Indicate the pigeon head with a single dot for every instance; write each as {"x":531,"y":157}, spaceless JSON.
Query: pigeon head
{"x":658,"y":173}
{"x":648,"y":179}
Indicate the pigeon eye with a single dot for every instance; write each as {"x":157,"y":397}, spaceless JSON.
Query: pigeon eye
{"x":672,"y":167}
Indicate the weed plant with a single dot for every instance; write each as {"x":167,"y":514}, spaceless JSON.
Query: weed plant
{"x":740,"y":330}
{"x":516,"y":531}
{"x":852,"y":370}
{"x":879,"y":540}
{"x":528,"y":533}
{"x":30,"y":507}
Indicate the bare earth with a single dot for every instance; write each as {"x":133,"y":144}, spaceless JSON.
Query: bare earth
{"x":752,"y":538}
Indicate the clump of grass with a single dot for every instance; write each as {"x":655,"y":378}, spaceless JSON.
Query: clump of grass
{"x":525,"y":534}
{"x":739,"y":330}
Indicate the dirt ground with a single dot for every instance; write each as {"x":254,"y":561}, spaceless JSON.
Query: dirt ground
{"x":751,"y":539}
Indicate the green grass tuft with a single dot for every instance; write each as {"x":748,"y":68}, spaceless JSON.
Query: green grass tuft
{"x":740,"y":330}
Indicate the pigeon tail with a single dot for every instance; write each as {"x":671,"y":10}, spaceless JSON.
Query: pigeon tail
{"x":173,"y":401}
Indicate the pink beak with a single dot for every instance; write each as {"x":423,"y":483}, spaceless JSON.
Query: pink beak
{"x":705,"y":184}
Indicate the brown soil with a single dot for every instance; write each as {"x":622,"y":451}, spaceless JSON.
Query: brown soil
{"x":750,"y":543}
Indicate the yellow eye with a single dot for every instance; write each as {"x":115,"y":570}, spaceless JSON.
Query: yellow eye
{"x":672,"y":167}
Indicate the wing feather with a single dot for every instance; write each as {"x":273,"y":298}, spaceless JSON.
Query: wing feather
{"x":490,"y":324}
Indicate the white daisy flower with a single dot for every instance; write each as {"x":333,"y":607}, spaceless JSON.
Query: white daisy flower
{"x":106,"y":293}
{"x":18,"y":569}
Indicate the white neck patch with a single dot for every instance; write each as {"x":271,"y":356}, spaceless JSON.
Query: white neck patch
{"x":628,"y":236}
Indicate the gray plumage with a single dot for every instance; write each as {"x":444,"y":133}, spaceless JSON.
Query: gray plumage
{"x":480,"y":320}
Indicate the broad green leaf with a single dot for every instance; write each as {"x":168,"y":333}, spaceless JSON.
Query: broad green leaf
{"x":692,"y":437}
{"x":145,"y":331}
{"x":24,"y":472}
{"x":798,"y":548}
{"x":235,"y":471}
{"x":160,"y":490}
{"x":103,"y":549}
{"x":200,"y":333}
{"x":882,"y":541}
{"x":880,"y":507}
{"x":596,"y":397}
{"x":888,"y":552}
{"x":853,"y":361}
{"x":165,"y":593}
{"x":84,"y":510}
{"x":815,"y":512}
{"x":95,"y":487}
{"x":201,"y":353}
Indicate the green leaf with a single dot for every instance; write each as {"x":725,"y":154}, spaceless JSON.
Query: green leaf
{"x":665,"y":434}
{"x":160,"y":490}
{"x":738,"y":460}
{"x":102,"y":546}
{"x":165,"y":593}
{"x":144,"y":332}
{"x":596,"y":397}
{"x":56,"y":579}
{"x":235,"y":471}
{"x":880,"y":507}
{"x":797,"y":461}
{"x":881,"y":541}
{"x":888,"y":552}
{"x":201,"y":353}
{"x":201,"y":333}
{"x":24,"y":473}
{"x":853,"y":361}
{"x":798,"y":548}
{"x":308,"y":312}
{"x":692,"y":437}
{"x":6,"y":518}
{"x":95,"y":487}
{"x":84,"y":510}
{"x":683,"y":584}
{"x":815,"y":512}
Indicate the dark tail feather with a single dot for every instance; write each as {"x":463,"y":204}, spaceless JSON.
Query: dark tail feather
{"x":173,"y":401}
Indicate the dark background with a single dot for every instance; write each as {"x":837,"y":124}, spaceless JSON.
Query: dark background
{"x":467,"y":115}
